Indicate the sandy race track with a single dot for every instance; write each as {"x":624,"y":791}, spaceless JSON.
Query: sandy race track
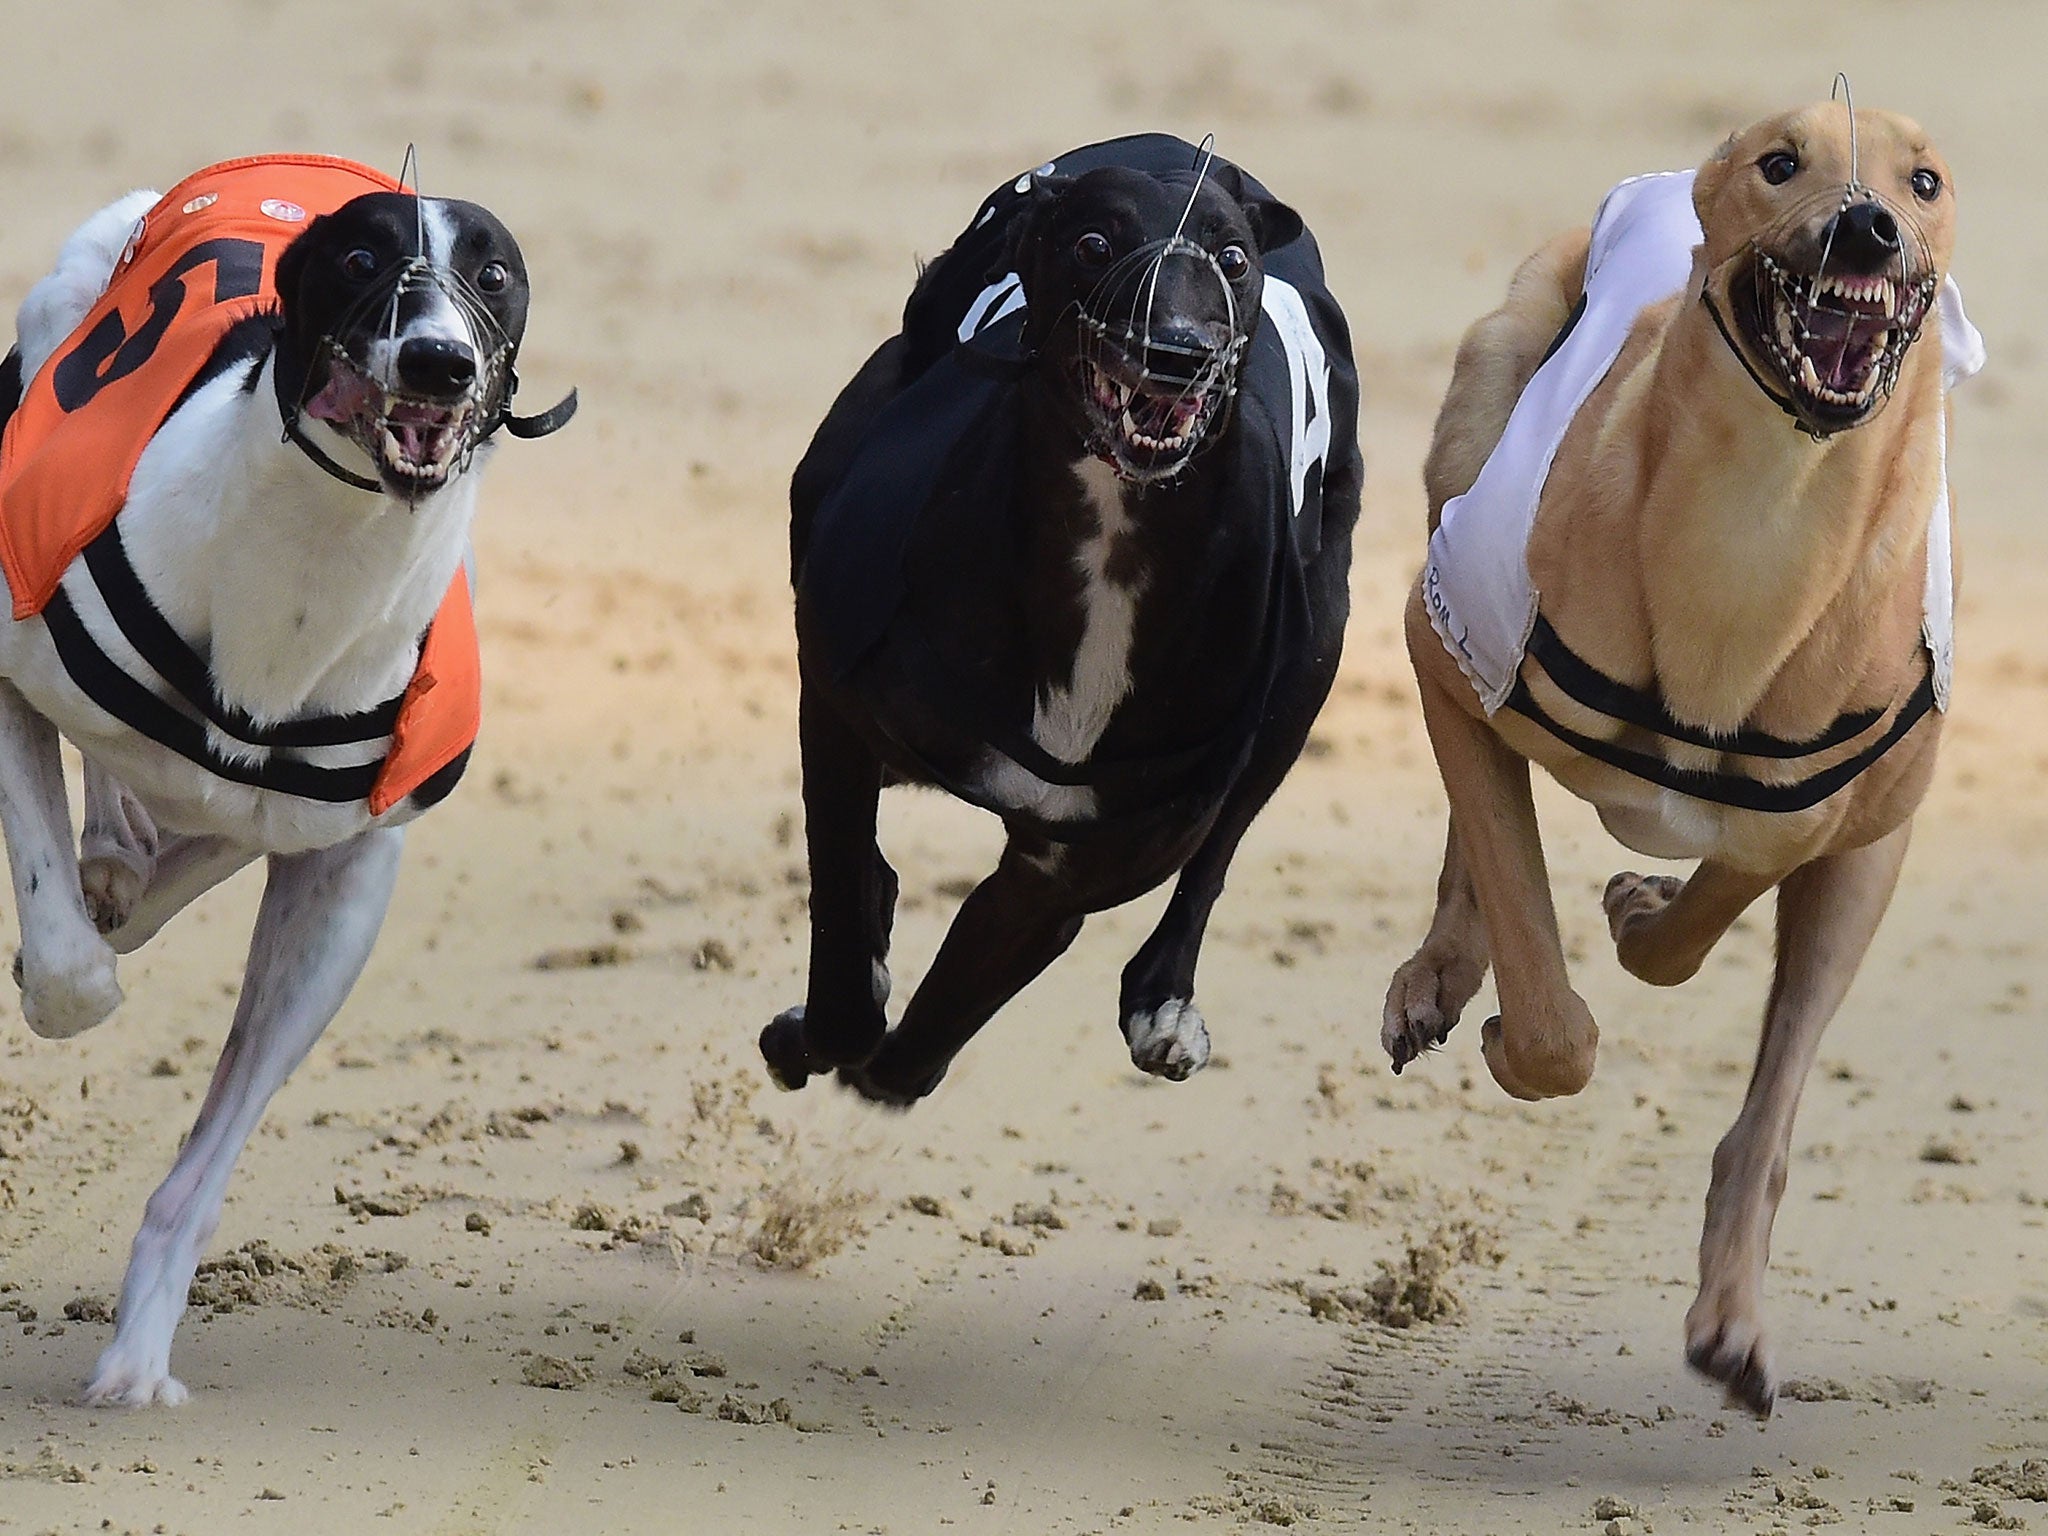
{"x":531,"y":1244}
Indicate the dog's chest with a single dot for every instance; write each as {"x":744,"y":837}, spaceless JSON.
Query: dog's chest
{"x":1073,"y":709}
{"x":181,"y":795}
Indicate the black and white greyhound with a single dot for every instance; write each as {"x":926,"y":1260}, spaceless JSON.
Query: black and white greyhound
{"x":258,"y":633}
{"x":1073,"y":547}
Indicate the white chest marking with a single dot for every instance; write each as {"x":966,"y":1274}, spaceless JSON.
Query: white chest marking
{"x":1068,"y":721}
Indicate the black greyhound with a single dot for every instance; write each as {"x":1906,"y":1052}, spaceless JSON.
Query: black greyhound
{"x":1072,"y":546}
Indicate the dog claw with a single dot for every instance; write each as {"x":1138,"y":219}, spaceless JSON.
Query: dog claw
{"x":862,"y":1080}
{"x":1169,"y":1041}
{"x":782,"y":1049}
{"x":1746,"y":1376}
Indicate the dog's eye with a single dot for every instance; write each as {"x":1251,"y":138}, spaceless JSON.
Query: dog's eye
{"x":1926,"y":185}
{"x":1233,"y":261}
{"x":1778,"y":167}
{"x":493,"y":277}
{"x":359,"y":265}
{"x":1093,"y":249}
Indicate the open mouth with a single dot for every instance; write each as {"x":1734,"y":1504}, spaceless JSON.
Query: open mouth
{"x":1835,"y":340}
{"x":416,"y":443}
{"x":1146,"y":425}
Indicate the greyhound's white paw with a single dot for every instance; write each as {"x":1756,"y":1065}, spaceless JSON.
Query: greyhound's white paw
{"x":61,"y":1002}
{"x":125,"y":1379}
{"x":1169,"y":1041}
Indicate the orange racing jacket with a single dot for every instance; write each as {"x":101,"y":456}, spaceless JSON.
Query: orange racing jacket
{"x":201,"y":261}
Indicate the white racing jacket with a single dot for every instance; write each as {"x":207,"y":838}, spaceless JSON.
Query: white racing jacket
{"x":1476,"y":584}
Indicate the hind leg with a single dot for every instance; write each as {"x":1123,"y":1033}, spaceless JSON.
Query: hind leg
{"x":65,"y":969}
{"x":1665,"y":928}
{"x":1009,"y":929}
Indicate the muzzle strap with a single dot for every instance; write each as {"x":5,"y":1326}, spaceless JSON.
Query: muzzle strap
{"x":1782,"y":401}
{"x":294,"y":435}
{"x":526,"y":428}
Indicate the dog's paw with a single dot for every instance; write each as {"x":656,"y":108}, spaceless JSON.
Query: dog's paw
{"x":1630,"y":898}
{"x":1733,"y":1351}
{"x":1419,"y":1012}
{"x":1168,"y":1041}
{"x":782,"y":1048}
{"x":60,"y":1003}
{"x":112,"y":884}
{"x":125,"y":1380}
{"x":878,"y":1085}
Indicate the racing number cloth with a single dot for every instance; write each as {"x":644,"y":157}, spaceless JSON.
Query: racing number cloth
{"x":945,"y":448}
{"x":202,"y":260}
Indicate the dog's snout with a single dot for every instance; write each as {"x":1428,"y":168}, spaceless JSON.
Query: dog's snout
{"x":433,"y":365}
{"x":1183,"y":350}
{"x":1864,"y":236}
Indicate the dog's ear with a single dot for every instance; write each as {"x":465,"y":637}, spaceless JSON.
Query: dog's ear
{"x":1273,"y":223}
{"x":1712,"y":177}
{"x":1026,"y":220}
{"x":291,"y":263}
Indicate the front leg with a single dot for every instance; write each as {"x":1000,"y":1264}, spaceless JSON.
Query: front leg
{"x":1430,"y":990}
{"x":314,"y":929}
{"x":853,"y":899}
{"x":117,"y":848}
{"x":1828,"y":911}
{"x":65,"y":969}
{"x":1167,"y":1037}
{"x":1543,"y":1042}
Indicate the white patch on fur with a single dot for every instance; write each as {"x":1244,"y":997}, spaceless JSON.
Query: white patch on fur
{"x":438,"y":318}
{"x":1169,"y":1041}
{"x":1068,"y":721}
{"x":1006,"y":783}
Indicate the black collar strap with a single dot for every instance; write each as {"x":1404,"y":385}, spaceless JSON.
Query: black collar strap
{"x":553,"y":419}
{"x":313,"y":451}
{"x":1781,"y":401}
{"x":1646,"y":711}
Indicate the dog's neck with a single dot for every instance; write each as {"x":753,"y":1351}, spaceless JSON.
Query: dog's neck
{"x":1769,"y":561}
{"x":306,"y":594}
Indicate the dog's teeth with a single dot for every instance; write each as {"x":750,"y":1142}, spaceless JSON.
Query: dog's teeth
{"x":1890,"y":297}
{"x":1808,"y":376}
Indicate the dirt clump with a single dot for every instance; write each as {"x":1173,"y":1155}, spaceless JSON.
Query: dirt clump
{"x":1414,"y":1290}
{"x":257,"y":1274}
{"x":797,"y":1224}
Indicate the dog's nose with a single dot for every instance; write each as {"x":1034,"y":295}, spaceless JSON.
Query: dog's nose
{"x":1183,"y":352}
{"x":1864,"y":236}
{"x":433,"y":365}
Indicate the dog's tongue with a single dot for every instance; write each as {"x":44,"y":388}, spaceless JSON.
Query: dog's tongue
{"x":341,"y":398}
{"x":418,"y":430}
{"x":1841,"y":345}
